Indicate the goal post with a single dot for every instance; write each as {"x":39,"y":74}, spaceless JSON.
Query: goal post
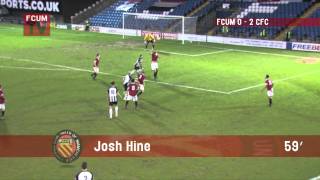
{"x":164,"y":26}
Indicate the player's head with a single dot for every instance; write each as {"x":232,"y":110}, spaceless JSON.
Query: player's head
{"x":98,"y":55}
{"x":132,"y":80}
{"x":113,"y":83}
{"x":267,"y":76}
{"x":84,"y":166}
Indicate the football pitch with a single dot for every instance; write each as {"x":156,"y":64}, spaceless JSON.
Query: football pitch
{"x":202,"y":89}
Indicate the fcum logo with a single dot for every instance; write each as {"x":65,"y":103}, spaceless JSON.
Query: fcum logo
{"x":36,"y":25}
{"x":66,"y":146}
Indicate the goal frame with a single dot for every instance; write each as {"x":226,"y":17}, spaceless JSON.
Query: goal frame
{"x":153,"y":15}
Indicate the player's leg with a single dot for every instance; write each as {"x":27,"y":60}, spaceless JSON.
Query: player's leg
{"x":2,"y":109}
{"x":116,"y":111}
{"x":141,"y":89}
{"x":270,"y":101}
{"x":135,"y":99}
{"x":270,"y":95}
{"x":136,"y":104}
{"x":110,"y":111}
{"x":146,"y":43}
{"x":155,"y":75}
{"x":126,"y":106}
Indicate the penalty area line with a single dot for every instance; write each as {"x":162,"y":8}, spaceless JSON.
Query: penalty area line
{"x":33,"y":68}
{"x":195,"y":55}
{"x":115,"y":75}
{"x":278,"y":80}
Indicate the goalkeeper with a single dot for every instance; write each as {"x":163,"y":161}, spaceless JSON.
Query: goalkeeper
{"x":149,"y":38}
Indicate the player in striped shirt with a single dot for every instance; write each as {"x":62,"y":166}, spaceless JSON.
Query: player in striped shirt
{"x":84,"y":174}
{"x":113,"y":99}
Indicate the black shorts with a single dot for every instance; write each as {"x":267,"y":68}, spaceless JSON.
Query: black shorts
{"x":125,"y":86}
{"x":113,"y":103}
{"x":150,"y":41}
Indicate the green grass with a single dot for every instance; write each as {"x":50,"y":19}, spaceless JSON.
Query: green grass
{"x":44,"y":102}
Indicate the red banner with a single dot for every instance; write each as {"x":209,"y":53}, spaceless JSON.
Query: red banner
{"x":168,"y":146}
{"x":266,"y":22}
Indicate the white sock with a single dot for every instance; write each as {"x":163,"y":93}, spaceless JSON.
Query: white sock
{"x":116,"y":111}
{"x":110,"y":112}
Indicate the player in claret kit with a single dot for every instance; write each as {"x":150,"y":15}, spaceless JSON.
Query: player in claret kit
{"x":113,"y":99}
{"x":2,"y":103}
{"x":96,"y":63}
{"x":141,"y":78}
{"x":154,"y":64}
{"x":132,"y":93}
{"x":269,"y":87}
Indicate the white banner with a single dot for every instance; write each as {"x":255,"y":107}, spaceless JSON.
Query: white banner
{"x":127,"y":32}
{"x":31,"y":5}
{"x":193,"y":37}
{"x":248,"y":42}
{"x":78,"y":27}
{"x":125,"y":7}
{"x":305,"y":47}
{"x":62,"y":26}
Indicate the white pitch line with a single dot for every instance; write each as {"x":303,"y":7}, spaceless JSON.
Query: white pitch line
{"x":265,"y":53}
{"x":278,"y":80}
{"x":209,"y":53}
{"x":196,"y":55}
{"x":165,"y":83}
{"x":33,"y":68}
{"x":109,"y":74}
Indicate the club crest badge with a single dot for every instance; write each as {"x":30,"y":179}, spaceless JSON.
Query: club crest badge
{"x":66,"y":146}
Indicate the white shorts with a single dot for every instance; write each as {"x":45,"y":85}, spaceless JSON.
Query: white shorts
{"x":131,"y":98}
{"x":2,"y":107}
{"x":141,"y":87}
{"x":96,"y":69}
{"x":154,"y":66}
{"x":270,"y":93}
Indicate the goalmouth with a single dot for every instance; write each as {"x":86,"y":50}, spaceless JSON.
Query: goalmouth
{"x":162,"y":25}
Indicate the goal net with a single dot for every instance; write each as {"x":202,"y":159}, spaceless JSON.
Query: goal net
{"x":163,"y":26}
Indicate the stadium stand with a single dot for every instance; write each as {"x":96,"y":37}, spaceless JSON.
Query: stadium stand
{"x":206,"y":10}
{"x":311,"y":33}
{"x":281,"y":9}
{"x":112,"y":16}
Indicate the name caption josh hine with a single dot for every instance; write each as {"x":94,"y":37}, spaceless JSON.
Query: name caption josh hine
{"x":116,"y":146}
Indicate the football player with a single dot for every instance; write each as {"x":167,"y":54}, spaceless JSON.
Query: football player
{"x":141,"y":78}
{"x":269,"y":87}
{"x":2,"y":103}
{"x":154,"y":64}
{"x":138,"y":64}
{"x":132,"y":93}
{"x":113,"y":99}
{"x":96,"y":63}
{"x":84,"y":174}
{"x":149,"y":38}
